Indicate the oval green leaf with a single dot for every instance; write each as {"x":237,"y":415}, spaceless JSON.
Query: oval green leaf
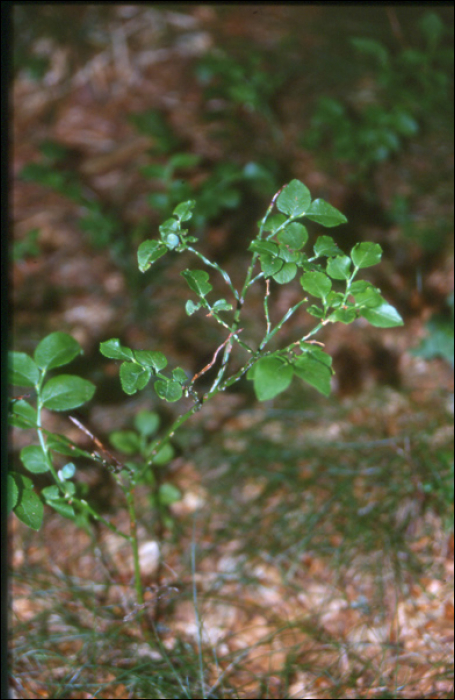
{"x":147,"y":422}
{"x":366,"y":254}
{"x":134,"y":377}
{"x":271,"y":376}
{"x":286,"y":274}
{"x":164,"y":455}
{"x":151,"y":358}
{"x":22,"y":370}
{"x":325,"y":245}
{"x":126,"y":441}
{"x":197,"y":280}
{"x":295,"y":199}
{"x":168,"y":493}
{"x":12,"y":493}
{"x":148,"y":252}
{"x":66,"y":391}
{"x":55,"y":350}
{"x":339,"y":268}
{"x":23,"y":415}
{"x":115,"y":351}
{"x":295,"y":236}
{"x":168,"y":390}
{"x":314,"y":372}
{"x":383,"y":316}
{"x":323,"y":213}
{"x":30,"y":509}
{"x":316,"y":283}
{"x":34,"y":459}
{"x":184,"y":211}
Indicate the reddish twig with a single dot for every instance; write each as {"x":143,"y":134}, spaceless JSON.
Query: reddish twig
{"x":113,"y":460}
{"x":207,"y":367}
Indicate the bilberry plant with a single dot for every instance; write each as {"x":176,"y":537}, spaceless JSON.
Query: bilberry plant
{"x":331,"y":293}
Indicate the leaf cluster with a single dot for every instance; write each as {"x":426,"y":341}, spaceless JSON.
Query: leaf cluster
{"x":327,"y":278}
{"x":63,"y":392}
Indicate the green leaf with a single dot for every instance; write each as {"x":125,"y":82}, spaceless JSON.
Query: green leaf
{"x":326,"y":215}
{"x":274,"y":222}
{"x":197,"y":280}
{"x":184,"y":211}
{"x":295,"y":236}
{"x":191,"y":307}
{"x":371,"y":47}
{"x":22,"y":370}
{"x":290,"y":256}
{"x":179,"y":375}
{"x":30,"y":509}
{"x":169,"y":226}
{"x":339,"y":268}
{"x":264,"y":247}
{"x":370,"y":298}
{"x":316,"y":311}
{"x":126,"y":441}
{"x":66,"y":391}
{"x":12,"y":493}
{"x":151,"y":358}
{"x":153,"y":171}
{"x":343,"y":315}
{"x":23,"y":415}
{"x":270,"y":265}
{"x":133,"y":377}
{"x":325,"y":245}
{"x":360,"y":286}
{"x":286,"y":274}
{"x":316,"y":283}
{"x":115,"y":351}
{"x":439,"y":341}
{"x":61,"y":444}
{"x":222,"y":305}
{"x":295,"y":199}
{"x":168,"y":494}
{"x":168,"y":390}
{"x":271,"y":376}
{"x":383,"y":316}
{"x":366,"y":254}
{"x":34,"y":459}
{"x":164,"y":455}
{"x":148,"y":252}
{"x":62,"y":507}
{"x":55,"y":350}
{"x":335,"y":299}
{"x":313,"y":371}
{"x":184,"y":160}
{"x":316,"y":353}
{"x":50,"y":492}
{"x":147,"y":422}
{"x":432,"y":28}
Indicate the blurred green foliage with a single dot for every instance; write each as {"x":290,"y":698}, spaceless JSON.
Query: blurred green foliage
{"x":440,"y":339}
{"x":402,"y":93}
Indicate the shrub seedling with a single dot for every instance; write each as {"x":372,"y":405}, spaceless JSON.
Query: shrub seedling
{"x":330,"y":289}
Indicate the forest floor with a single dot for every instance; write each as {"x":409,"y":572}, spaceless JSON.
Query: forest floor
{"x":311,"y":554}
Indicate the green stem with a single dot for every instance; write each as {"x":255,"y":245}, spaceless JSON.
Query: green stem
{"x":278,"y":327}
{"x":129,"y":493}
{"x":100,"y":518}
{"x":216,"y":267}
